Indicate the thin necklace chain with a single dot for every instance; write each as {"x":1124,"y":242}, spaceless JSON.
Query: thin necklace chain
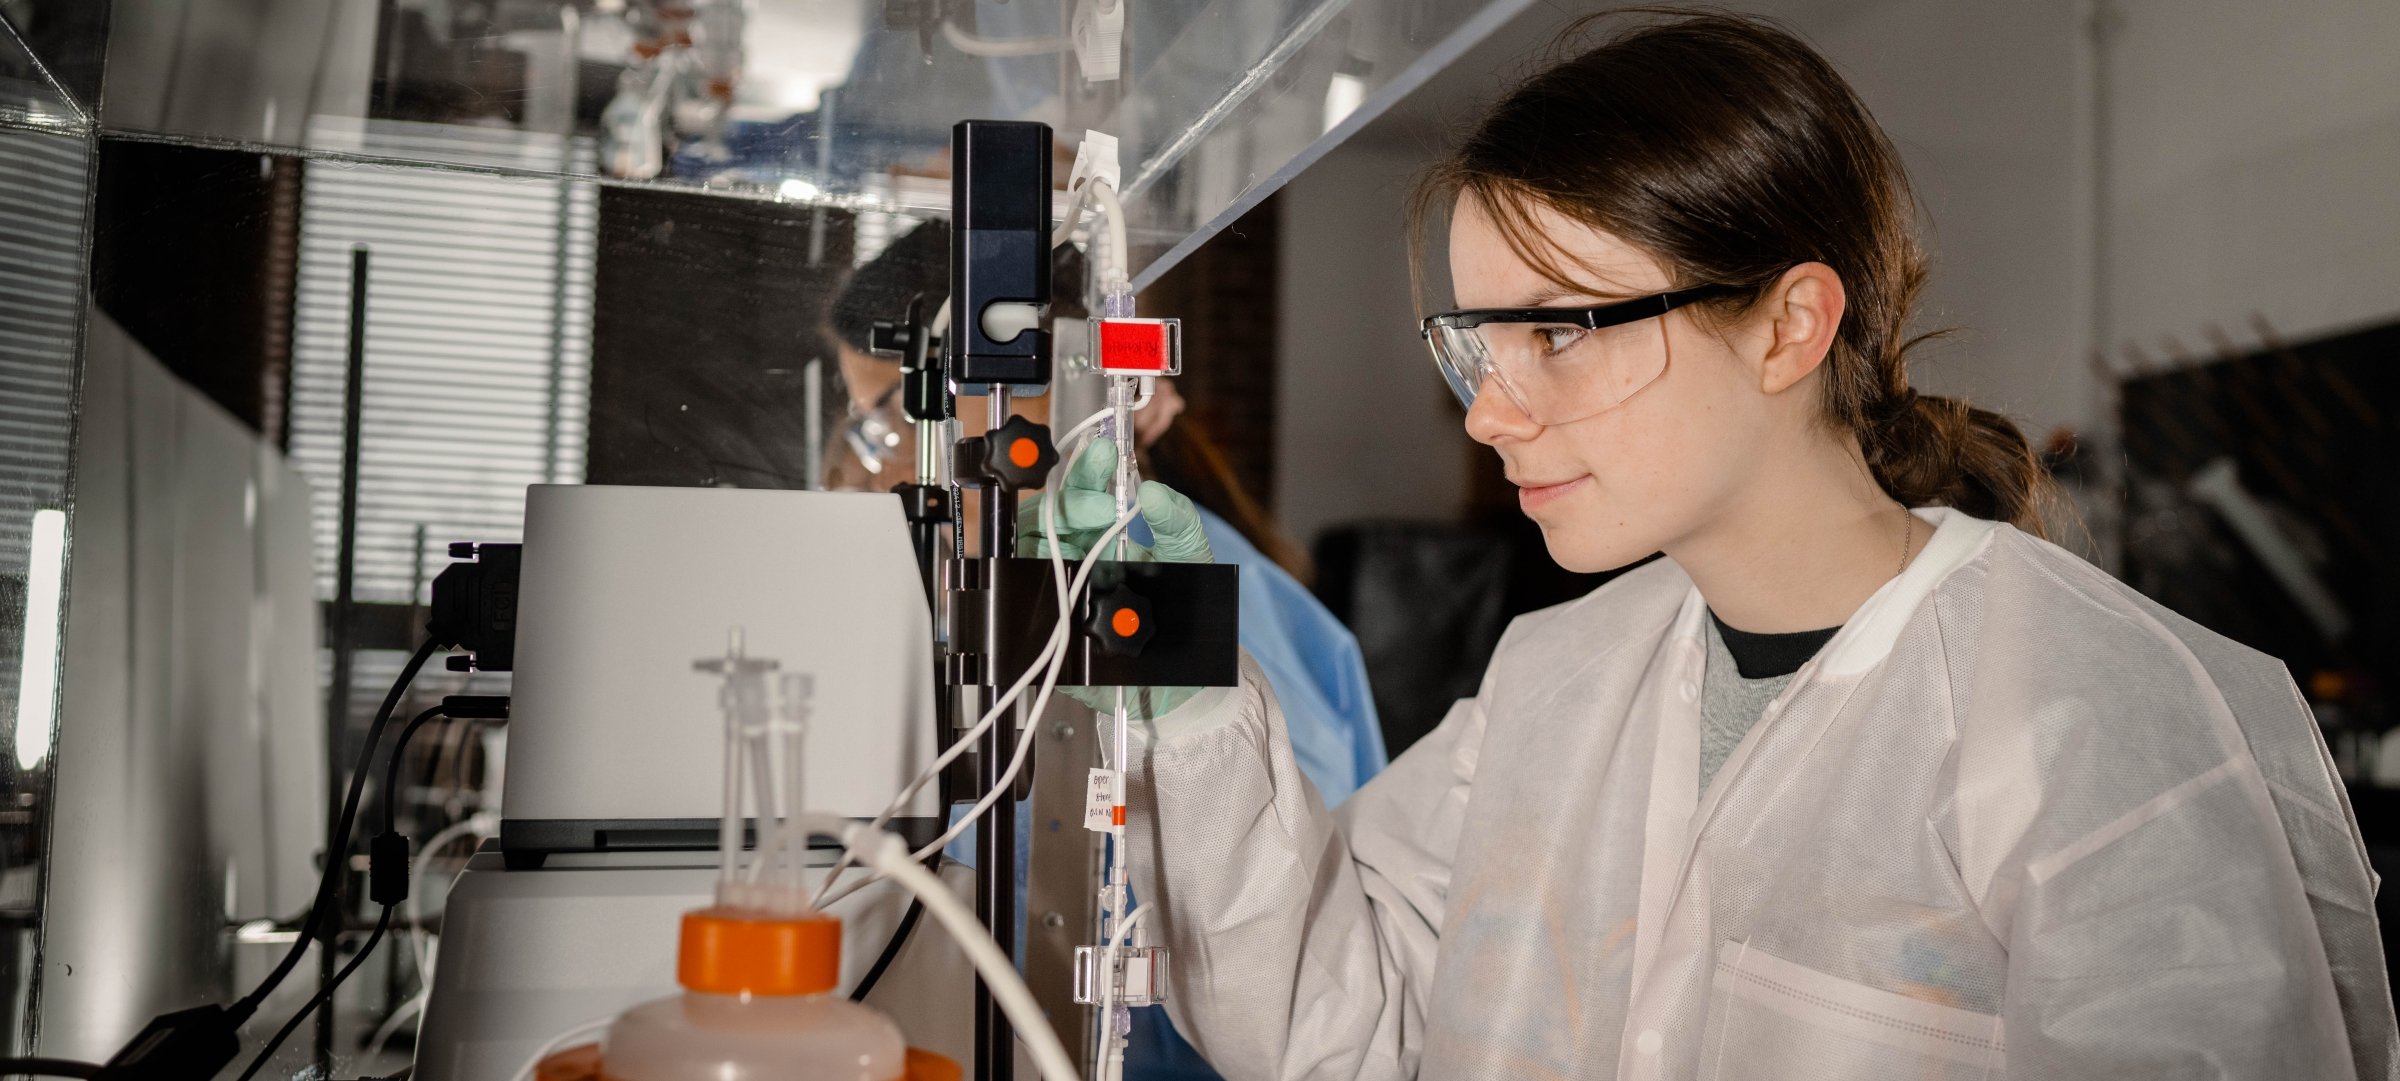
{"x":1908,"y":536}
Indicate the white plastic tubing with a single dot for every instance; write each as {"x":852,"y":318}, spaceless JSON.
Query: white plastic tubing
{"x":1047,"y":663}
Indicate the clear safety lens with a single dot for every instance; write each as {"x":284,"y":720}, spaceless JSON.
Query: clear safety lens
{"x":1555,"y":373}
{"x":874,"y":433}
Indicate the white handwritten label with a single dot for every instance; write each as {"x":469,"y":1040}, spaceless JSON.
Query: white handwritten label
{"x":1101,"y":798}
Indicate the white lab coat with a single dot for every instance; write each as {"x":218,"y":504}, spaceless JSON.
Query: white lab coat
{"x":2014,"y":820}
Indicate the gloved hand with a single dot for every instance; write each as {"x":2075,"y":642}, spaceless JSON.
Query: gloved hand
{"x":1085,"y":511}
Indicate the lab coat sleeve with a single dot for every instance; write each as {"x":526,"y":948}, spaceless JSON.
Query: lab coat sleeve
{"x":1303,"y":941}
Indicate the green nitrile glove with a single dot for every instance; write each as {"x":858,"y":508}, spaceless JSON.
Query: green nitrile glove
{"x":1085,"y":511}
{"x":1085,"y":507}
{"x":1176,"y":535}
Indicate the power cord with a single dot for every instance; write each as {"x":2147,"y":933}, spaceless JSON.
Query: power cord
{"x":194,"y":1044}
{"x":323,"y":997}
{"x":387,"y":859}
{"x":457,"y":707}
{"x":327,"y":887}
{"x":891,"y":949}
{"x":473,"y":607}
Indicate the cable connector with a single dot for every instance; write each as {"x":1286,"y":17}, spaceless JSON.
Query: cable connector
{"x":187,"y":1045}
{"x":387,"y":868}
{"x":475,"y":606}
{"x":1096,"y":159}
{"x":1099,"y":36}
{"x":476,"y":707}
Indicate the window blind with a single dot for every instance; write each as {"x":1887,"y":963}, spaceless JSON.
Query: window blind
{"x":42,"y":196}
{"x":478,"y":343}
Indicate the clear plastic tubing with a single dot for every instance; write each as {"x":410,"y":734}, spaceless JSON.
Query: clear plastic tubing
{"x":1116,"y":1020}
{"x":1118,"y":304}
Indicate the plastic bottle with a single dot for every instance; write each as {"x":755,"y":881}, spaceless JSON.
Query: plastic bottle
{"x":760,"y":966}
{"x":758,"y":1005}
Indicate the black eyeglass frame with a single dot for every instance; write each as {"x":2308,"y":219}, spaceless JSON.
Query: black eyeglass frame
{"x":1615,"y":313}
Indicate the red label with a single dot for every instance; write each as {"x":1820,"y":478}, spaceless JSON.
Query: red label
{"x":1133,"y":346}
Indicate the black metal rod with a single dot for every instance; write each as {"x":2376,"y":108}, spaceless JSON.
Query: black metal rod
{"x":996,"y":835}
{"x":926,"y":537}
{"x":995,"y":894}
{"x":999,"y":504}
{"x":337,"y":707}
{"x":945,"y":696}
{"x":925,"y":534}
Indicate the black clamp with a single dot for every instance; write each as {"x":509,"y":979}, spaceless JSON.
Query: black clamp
{"x":1119,"y":622}
{"x":1016,"y":457}
{"x":924,"y":503}
{"x":924,"y":393}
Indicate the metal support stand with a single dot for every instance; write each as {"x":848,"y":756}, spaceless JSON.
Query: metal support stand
{"x":996,"y":835}
{"x":927,"y":503}
{"x":337,"y":709}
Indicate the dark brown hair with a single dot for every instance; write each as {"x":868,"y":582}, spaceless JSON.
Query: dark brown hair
{"x":1188,"y":458}
{"x":1732,"y":151}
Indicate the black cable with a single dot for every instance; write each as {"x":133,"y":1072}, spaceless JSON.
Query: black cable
{"x":891,"y":951}
{"x":324,"y":997}
{"x":337,"y":859}
{"x":46,"y":1067}
{"x":391,"y":770}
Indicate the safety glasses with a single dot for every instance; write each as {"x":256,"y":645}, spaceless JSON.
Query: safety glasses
{"x":1558,"y":365}
{"x":873,"y":431}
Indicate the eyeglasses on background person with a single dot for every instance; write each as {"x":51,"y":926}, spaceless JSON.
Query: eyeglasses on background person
{"x":874,"y":433}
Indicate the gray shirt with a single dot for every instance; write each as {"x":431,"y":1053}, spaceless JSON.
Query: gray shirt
{"x":1729,"y":705}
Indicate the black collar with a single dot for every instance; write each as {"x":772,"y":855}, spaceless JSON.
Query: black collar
{"x":1764,"y":656}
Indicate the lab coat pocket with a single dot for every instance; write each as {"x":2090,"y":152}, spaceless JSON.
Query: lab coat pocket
{"x":1769,"y":1018}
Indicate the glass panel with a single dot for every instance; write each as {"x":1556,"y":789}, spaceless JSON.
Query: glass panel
{"x":837,"y":103}
{"x":44,"y":171}
{"x":523,"y":325}
{"x":30,"y":94}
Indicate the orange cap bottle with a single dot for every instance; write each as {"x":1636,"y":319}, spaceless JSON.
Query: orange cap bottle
{"x":758,"y":1005}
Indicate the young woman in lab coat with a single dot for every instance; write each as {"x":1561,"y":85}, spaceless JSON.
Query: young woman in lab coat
{"x":2009,"y":819}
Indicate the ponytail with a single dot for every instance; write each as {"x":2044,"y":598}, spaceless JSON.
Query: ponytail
{"x":1927,"y":450}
